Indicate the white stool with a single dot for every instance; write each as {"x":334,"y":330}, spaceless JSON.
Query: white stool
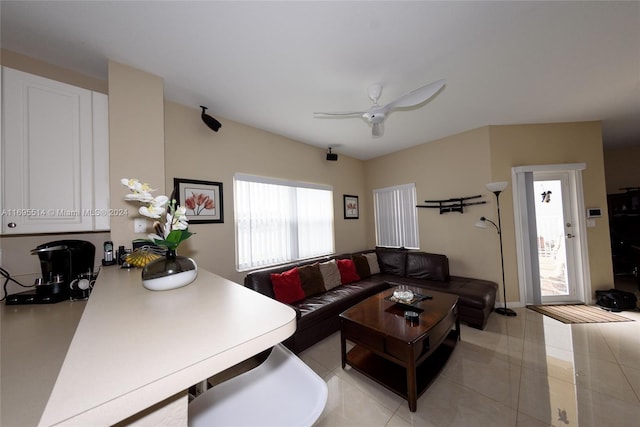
{"x":282,"y":391}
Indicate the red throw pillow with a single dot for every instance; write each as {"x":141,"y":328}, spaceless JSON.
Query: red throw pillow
{"x":348,"y":272}
{"x":287,"y":286}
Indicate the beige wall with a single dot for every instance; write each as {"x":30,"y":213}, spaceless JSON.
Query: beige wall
{"x":136,"y":141}
{"x":622,"y":168}
{"x":456,"y":166}
{"x":50,"y":71}
{"x":193,"y":151}
{"x":554,"y":144}
{"x":461,"y":165}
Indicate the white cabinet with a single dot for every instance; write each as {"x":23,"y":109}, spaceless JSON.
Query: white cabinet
{"x":54,"y":162}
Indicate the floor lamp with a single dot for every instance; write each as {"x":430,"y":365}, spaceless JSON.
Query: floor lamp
{"x":496,"y":188}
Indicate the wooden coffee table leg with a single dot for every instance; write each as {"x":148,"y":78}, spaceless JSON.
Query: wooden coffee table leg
{"x":343,"y":349}
{"x":412,"y":387}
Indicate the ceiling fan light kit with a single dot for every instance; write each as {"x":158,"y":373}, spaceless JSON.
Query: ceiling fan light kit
{"x":377,"y":114}
{"x":377,"y":129}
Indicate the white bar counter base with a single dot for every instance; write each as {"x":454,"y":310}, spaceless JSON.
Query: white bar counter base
{"x":135,"y":352}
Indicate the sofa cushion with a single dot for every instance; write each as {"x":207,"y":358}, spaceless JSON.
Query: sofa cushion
{"x":311,"y":279}
{"x":348,"y":272}
{"x":330,"y":274}
{"x":475,"y":293}
{"x":335,"y":301}
{"x":287,"y":286}
{"x":372,"y":260}
{"x":391,"y":261}
{"x":422,"y":265}
{"x":362,"y":265}
{"x":472,"y":293}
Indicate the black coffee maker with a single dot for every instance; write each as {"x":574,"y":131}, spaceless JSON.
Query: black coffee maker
{"x":62,"y":262}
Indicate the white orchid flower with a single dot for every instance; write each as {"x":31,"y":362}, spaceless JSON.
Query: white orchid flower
{"x":143,"y":188}
{"x":143,"y":197}
{"x":169,"y":216}
{"x":181,"y":214}
{"x":155,"y":207}
{"x":177,"y":223}
{"x":136,"y":186}
{"x":151,"y":211}
{"x":160,"y":201}
{"x":180,"y":225}
{"x":154,"y":237}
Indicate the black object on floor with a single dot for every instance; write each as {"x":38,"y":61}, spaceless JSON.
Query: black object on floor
{"x":616,"y":300}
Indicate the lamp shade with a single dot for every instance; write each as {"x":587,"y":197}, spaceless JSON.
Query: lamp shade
{"x":496,"y":186}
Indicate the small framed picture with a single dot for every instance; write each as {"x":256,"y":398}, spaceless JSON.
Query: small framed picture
{"x":202,"y":200}
{"x":351,"y":208}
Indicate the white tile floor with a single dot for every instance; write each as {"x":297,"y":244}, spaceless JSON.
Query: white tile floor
{"x":528,"y":370}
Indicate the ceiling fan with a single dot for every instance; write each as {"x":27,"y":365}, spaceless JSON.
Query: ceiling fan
{"x":377,"y":113}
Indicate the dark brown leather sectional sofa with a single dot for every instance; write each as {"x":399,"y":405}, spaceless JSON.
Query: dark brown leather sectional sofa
{"x":318,"y":315}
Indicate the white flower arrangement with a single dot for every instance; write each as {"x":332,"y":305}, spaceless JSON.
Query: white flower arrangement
{"x":171,"y":225}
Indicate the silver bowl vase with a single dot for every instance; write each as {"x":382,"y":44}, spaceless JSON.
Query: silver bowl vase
{"x":169,"y":272}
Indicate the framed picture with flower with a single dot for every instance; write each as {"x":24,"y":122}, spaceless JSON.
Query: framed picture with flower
{"x":201,"y":199}
{"x":351,"y":207}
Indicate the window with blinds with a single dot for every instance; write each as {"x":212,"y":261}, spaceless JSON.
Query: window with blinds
{"x":280,"y":221}
{"x":396,"y":216}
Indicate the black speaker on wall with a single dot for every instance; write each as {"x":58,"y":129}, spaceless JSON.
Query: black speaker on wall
{"x":332,"y":157}
{"x":210,"y":121}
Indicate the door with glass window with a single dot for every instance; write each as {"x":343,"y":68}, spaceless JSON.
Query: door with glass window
{"x":556,"y":237}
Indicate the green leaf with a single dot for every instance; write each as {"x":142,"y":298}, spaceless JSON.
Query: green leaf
{"x":175,"y":236}
{"x":186,"y":234}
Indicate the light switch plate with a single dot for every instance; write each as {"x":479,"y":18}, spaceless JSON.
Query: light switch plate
{"x":139,"y":225}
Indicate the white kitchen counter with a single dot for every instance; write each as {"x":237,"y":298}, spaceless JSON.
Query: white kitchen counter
{"x":132,"y":348}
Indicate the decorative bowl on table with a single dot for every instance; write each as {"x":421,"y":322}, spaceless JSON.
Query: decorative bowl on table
{"x":403,"y":295}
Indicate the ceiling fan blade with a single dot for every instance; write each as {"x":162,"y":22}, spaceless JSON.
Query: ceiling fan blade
{"x":377,"y":129}
{"x":417,"y":96}
{"x":345,"y":113}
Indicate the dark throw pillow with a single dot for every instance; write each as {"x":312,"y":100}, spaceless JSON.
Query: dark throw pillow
{"x":362,"y":265}
{"x":311,"y":278}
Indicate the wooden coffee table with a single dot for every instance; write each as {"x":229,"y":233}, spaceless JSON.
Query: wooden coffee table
{"x":404,"y":357}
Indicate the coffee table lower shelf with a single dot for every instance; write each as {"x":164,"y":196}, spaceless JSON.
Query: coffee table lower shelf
{"x":394,"y":376}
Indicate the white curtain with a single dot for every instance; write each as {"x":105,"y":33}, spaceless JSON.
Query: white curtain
{"x":280,"y":221}
{"x":396,"y":216}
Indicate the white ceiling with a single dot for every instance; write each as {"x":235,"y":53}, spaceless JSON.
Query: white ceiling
{"x":272,"y":64}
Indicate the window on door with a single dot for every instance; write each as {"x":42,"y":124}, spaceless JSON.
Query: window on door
{"x":396,"y":216}
{"x":280,"y":221}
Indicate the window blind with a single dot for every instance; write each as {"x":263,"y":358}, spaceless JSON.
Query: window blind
{"x":396,"y":216}
{"x":279,"y":221}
